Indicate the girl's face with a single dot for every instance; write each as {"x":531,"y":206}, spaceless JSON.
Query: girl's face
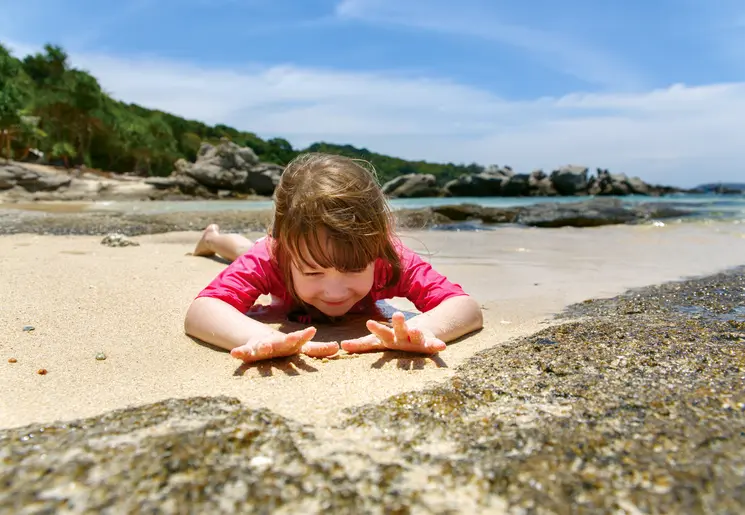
{"x":331,"y":291}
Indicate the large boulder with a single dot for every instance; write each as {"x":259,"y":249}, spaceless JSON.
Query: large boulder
{"x":570,"y":180}
{"x":606,"y":183}
{"x":484,"y":184}
{"x":517,"y":185}
{"x":16,"y":175}
{"x":412,"y":185}
{"x":228,"y":166}
{"x":540,"y":185}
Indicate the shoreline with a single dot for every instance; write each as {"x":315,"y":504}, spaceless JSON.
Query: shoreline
{"x":80,"y":218}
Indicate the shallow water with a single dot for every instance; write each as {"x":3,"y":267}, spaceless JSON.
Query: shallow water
{"x":714,"y":206}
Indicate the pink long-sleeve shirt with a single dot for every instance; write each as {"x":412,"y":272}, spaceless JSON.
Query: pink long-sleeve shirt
{"x":256,"y":273}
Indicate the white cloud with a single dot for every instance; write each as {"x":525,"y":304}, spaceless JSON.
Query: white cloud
{"x":472,"y":18}
{"x":677,"y":135}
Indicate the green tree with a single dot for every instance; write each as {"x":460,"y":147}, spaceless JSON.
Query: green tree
{"x":11,"y":100}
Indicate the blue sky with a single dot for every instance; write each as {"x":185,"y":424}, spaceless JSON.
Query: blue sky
{"x":651,"y":88}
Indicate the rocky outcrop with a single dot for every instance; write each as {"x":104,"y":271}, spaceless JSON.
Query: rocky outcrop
{"x":28,"y":182}
{"x":226,"y":166}
{"x":14,"y":175}
{"x":571,"y":180}
{"x":228,"y":170}
{"x":223,"y":171}
{"x":590,"y":213}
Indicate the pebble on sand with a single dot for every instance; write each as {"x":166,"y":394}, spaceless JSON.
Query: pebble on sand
{"x":100,"y":356}
{"x":12,"y":360}
{"x":42,"y":371}
{"x":116,"y":239}
{"x":28,"y":328}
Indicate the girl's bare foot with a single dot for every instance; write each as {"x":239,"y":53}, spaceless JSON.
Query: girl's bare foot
{"x":204,"y":245}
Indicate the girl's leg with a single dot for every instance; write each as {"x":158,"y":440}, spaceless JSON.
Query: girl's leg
{"x":227,"y":246}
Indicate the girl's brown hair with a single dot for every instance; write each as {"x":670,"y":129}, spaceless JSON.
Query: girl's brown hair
{"x":341,"y":197}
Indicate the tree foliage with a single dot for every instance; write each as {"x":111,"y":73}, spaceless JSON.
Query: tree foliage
{"x":47,"y":104}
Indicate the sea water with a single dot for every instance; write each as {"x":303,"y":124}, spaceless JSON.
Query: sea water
{"x":704,"y":206}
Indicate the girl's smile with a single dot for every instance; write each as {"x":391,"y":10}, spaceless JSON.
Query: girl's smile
{"x":331,"y":291}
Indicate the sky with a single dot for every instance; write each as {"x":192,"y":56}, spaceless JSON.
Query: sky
{"x":650,"y":88}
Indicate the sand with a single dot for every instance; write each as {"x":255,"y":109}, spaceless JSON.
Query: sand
{"x":83,"y":298}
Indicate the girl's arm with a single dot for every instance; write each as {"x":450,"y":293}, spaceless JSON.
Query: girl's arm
{"x":451,"y":319}
{"x":425,"y":333}
{"x":217,"y":322}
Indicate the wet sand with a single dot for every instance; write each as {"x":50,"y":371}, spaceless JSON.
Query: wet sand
{"x":83,"y":298}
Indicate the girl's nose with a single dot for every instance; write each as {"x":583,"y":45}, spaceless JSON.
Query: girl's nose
{"x":335,"y":290}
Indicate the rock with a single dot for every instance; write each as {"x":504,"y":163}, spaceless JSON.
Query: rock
{"x":14,"y":174}
{"x":163,"y":183}
{"x":638,"y":186}
{"x":580,"y":214}
{"x":412,"y":185}
{"x":540,"y":185}
{"x":45,"y":182}
{"x":204,"y":455}
{"x":589,"y":213}
{"x":618,"y":184}
{"x":127,"y":190}
{"x":118,"y":240}
{"x":485,"y":184}
{"x":517,"y":185}
{"x":504,"y":171}
{"x":228,"y":166}
{"x":570,"y":180}
{"x":565,"y":181}
{"x":468,"y":212}
{"x":7,"y":177}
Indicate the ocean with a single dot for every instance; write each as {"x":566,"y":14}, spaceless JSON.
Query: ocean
{"x":703,"y":206}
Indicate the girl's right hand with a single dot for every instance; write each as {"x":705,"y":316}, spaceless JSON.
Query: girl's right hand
{"x":279,"y":345}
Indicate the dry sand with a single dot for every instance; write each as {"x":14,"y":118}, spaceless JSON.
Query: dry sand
{"x":84,"y":298}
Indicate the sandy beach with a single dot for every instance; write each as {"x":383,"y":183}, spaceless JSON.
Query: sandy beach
{"x":83,"y":298}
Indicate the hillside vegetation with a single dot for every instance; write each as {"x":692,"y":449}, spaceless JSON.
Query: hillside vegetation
{"x":47,"y":104}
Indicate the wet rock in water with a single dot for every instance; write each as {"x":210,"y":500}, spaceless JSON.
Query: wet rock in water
{"x":638,"y":406}
{"x":118,"y":240}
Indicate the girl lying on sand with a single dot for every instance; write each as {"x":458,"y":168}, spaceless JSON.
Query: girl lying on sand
{"x":331,"y":251}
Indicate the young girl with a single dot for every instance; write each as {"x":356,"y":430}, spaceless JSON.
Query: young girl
{"x":331,"y":251}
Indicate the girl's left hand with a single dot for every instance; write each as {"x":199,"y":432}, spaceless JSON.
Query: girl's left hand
{"x":399,"y":337}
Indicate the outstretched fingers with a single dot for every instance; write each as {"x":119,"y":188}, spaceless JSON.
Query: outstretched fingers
{"x":276,"y":346}
{"x":367,"y":343}
{"x":320,"y":349}
{"x":400,"y":337}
